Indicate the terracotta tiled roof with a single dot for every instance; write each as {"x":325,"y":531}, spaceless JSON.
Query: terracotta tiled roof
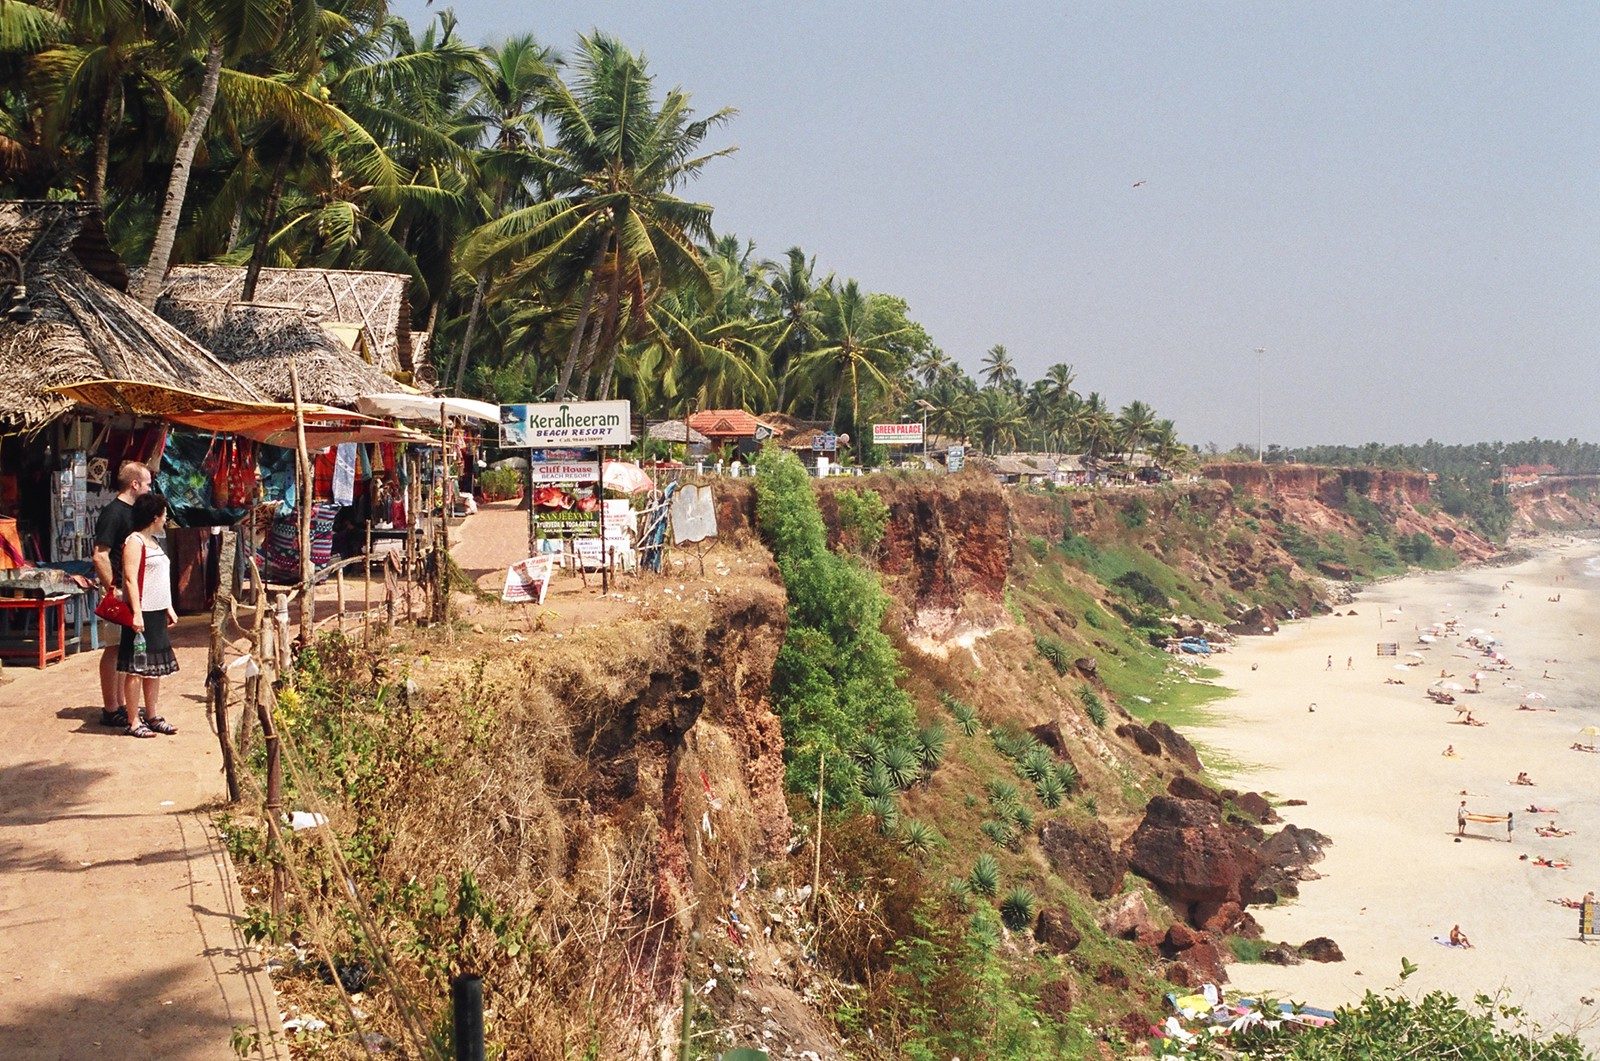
{"x":725,"y":423}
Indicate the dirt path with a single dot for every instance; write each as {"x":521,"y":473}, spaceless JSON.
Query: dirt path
{"x":119,"y":911}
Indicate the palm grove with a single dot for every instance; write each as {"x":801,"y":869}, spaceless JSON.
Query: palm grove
{"x":535,"y":198}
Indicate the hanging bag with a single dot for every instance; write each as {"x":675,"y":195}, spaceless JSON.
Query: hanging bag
{"x":242,"y":475}
{"x":112,"y":608}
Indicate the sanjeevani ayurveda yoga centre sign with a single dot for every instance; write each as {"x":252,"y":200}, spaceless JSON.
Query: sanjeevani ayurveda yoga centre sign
{"x":565,"y":424}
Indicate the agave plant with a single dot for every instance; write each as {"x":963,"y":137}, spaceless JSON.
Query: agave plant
{"x":1002,"y":792}
{"x":901,"y":764}
{"x":985,"y":876}
{"x":1017,"y":908}
{"x":876,"y":782}
{"x":1048,"y":789}
{"x":1023,"y":820}
{"x":1094,"y":706}
{"x":1036,"y":763}
{"x":870,"y":749}
{"x":931,"y":741}
{"x":1002,"y":832}
{"x":883,"y":808}
{"x":918,"y":838}
{"x":966,"y":719}
{"x":1067,"y":775}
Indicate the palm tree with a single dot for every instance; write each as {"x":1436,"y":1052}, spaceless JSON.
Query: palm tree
{"x":1165,"y":447}
{"x":858,"y":344}
{"x":998,"y":371}
{"x":933,"y":364}
{"x":1097,"y":427}
{"x":997,"y":420}
{"x":614,"y":228}
{"x":1134,"y":424}
{"x":789,"y":295}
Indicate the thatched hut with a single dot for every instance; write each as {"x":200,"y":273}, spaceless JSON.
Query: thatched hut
{"x":369,"y":313}
{"x":260,"y":342}
{"x":73,"y":322}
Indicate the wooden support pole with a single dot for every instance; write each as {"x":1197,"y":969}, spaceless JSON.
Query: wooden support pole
{"x":441,"y":556}
{"x":339,"y":584}
{"x":216,"y":676}
{"x":366,"y":586}
{"x":308,"y":602}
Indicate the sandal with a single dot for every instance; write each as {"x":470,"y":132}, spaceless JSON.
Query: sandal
{"x":161,"y":725}
{"x":141,"y":730}
{"x":116,"y":719}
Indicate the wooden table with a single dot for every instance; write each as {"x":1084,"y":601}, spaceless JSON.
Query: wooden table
{"x":40,"y":607}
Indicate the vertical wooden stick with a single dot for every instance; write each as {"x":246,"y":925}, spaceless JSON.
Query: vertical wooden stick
{"x":816,"y":871}
{"x":216,"y":676}
{"x":303,"y":465}
{"x":366,"y":583}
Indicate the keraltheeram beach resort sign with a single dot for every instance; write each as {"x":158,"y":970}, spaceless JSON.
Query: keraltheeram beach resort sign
{"x":565,"y":424}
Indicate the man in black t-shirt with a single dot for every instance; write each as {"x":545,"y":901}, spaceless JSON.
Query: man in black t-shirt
{"x":111,"y":530}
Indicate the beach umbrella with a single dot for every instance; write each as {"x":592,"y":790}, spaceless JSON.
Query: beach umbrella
{"x":1462,"y":709}
{"x":1454,"y":687}
{"x":1589,"y":731}
{"x":1401,"y":666}
{"x":625,"y":477}
{"x":1478,"y":674}
{"x":1416,"y":655}
{"x":1534,"y":696}
{"x":1427,"y":639}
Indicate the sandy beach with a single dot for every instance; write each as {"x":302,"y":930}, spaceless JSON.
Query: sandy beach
{"x":1369,"y":763}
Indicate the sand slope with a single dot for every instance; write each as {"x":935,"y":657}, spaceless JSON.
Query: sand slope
{"x":1368,"y":762}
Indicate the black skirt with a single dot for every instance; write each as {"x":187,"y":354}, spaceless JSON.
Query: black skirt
{"x":158,"y":656}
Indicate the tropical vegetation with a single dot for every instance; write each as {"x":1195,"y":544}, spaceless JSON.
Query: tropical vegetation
{"x":538,"y":198}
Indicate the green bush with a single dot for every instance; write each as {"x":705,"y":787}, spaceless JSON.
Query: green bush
{"x":918,"y":838}
{"x":966,"y":719}
{"x":931,"y":742}
{"x":1050,"y":791}
{"x":837,"y":675}
{"x":863,"y":518}
{"x":902,"y":765}
{"x":497,"y":484}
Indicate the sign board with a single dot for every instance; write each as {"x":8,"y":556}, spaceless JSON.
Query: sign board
{"x":954,"y":458}
{"x":694,"y":515}
{"x":527,"y":580}
{"x":590,"y":552}
{"x":564,"y":465}
{"x":827,"y":442}
{"x":566,"y":424}
{"x":897,"y":434}
{"x":559,"y":511}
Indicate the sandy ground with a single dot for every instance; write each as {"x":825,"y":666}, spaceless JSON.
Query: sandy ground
{"x":1369,"y":763}
{"x":118,"y":907}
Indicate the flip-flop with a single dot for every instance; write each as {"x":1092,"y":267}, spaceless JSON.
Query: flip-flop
{"x":141,"y":730}
{"x":161,"y":725}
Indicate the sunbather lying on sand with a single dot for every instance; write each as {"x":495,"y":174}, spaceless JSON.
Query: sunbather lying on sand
{"x":1548,"y":863}
{"x":1551,"y":830}
{"x":1534,"y":808}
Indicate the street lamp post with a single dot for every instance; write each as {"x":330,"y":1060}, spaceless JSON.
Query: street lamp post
{"x":1261,"y":408}
{"x":924,"y":405}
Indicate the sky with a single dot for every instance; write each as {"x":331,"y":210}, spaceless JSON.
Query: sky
{"x":1396,"y":203}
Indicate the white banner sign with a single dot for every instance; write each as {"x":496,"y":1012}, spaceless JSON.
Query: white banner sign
{"x":527,"y":580}
{"x":897,"y":434}
{"x":565,"y":471}
{"x":566,"y":424}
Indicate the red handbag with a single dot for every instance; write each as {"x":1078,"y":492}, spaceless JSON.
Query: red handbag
{"x":113,"y":609}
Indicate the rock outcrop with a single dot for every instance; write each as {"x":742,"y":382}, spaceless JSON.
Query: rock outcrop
{"x":1084,"y":853}
{"x":1202,"y":865}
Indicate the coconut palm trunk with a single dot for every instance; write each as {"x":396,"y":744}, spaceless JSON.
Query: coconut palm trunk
{"x":472,"y":326}
{"x":155,"y":270}
{"x":563,"y":384}
{"x":269,"y":214}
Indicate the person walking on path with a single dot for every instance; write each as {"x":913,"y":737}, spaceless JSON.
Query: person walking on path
{"x":147,"y":575}
{"x":1461,"y":811}
{"x":111,"y":532}
{"x":1330,"y":664}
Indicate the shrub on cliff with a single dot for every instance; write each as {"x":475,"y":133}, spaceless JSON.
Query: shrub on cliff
{"x":836,"y":678}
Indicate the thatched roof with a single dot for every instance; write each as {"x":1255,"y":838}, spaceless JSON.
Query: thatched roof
{"x":259,"y":342}
{"x":83,"y":327}
{"x":370,"y":311}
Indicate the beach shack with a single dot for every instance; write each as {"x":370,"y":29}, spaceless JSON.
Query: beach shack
{"x":734,"y":433}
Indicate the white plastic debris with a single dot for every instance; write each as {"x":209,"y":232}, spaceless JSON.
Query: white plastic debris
{"x":306,"y":820}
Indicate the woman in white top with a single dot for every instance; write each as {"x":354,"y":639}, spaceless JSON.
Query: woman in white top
{"x":147,"y":576}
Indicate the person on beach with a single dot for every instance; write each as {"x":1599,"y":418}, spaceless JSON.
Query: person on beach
{"x":147,"y":577}
{"x":1450,"y":753}
{"x":111,"y":531}
{"x":1458,"y":938}
{"x":1330,"y":664}
{"x":1461,"y":814}
{"x":1523,"y":779}
{"x":1349,"y":663}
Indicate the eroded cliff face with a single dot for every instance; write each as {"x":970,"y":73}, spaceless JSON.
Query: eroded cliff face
{"x":1566,"y":502}
{"x":1316,"y":500}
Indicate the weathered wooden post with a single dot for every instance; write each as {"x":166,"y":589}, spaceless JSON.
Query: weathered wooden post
{"x":216,"y":676}
{"x":308,"y":602}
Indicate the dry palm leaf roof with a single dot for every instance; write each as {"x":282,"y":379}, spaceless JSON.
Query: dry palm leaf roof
{"x":375,"y":303}
{"x":82,"y":326}
{"x":259,"y":342}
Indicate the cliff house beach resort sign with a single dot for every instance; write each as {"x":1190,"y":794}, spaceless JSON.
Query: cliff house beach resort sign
{"x":565,"y":424}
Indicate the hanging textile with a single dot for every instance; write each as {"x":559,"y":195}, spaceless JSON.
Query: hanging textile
{"x":344,"y":474}
{"x":322,"y":465}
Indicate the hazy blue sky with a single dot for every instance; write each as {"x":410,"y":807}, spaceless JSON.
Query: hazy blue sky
{"x":1396,"y":200}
